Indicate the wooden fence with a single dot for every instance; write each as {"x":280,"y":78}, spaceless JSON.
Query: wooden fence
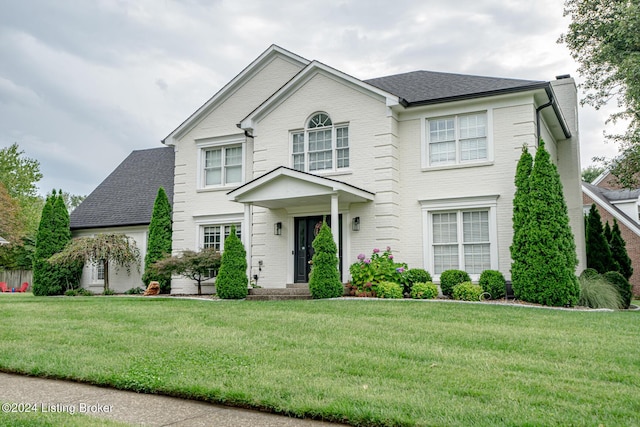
{"x":15,"y":278}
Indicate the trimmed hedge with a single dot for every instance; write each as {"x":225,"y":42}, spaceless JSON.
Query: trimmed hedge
{"x":426,"y":290}
{"x":450,"y":278}
{"x":388,"y":290}
{"x":467,"y":291}
{"x":412,"y":276}
{"x":324,"y":280}
{"x":493,"y":282}
{"x":622,"y":285}
{"x":232,"y":279}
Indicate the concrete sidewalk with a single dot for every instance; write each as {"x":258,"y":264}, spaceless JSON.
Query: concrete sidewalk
{"x":135,"y":408}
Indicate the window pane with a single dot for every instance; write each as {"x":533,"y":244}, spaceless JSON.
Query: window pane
{"x":211,"y":237}
{"x":213,"y":176}
{"x":319,"y":120}
{"x":320,"y":154}
{"x":343,"y":158}
{"x":477,"y":258}
{"x":445,"y":228}
{"x":233,"y":156}
{"x":442,"y":152}
{"x":475,"y":226}
{"x":298,"y":162}
{"x":473,"y":126}
{"x":342,"y":137}
{"x":473,"y":149}
{"x":445,"y":257}
{"x":233,"y":174}
{"x":298,"y":142}
{"x":442,"y":130}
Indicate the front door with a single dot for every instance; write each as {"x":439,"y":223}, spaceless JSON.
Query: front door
{"x":306,"y":230}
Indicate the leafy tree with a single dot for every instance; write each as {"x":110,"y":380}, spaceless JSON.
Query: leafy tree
{"x":324,"y":279}
{"x":20,"y":174}
{"x":53,"y":235}
{"x":159,"y":241}
{"x":549,"y":277}
{"x":11,"y":225}
{"x":519,"y":247}
{"x":619,"y":251}
{"x":590,"y":173}
{"x":72,"y":201}
{"x":598,"y":252}
{"x":107,"y":249}
{"x":604,"y":39}
{"x":198,"y":266}
{"x":232,"y":279}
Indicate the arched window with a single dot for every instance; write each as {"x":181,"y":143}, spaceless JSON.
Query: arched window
{"x":321,"y":146}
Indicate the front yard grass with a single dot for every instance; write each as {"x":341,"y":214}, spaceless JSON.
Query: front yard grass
{"x":362,"y":362}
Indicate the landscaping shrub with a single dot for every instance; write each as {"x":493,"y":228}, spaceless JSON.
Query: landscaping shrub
{"x":493,"y":282}
{"x":598,"y":292}
{"x":388,"y":290}
{"x":108,"y":292}
{"x":159,"y":242}
{"x":426,"y":290}
{"x":619,"y":251}
{"x":232,"y":279}
{"x":450,"y":278}
{"x":622,"y":285}
{"x":413,"y":276}
{"x":381,"y":267}
{"x":324,"y":279}
{"x":598,"y":250}
{"x":137,"y":291}
{"x":467,"y":291}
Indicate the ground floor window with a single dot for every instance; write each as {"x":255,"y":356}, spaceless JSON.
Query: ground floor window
{"x":460,"y":235}
{"x":213,"y":236}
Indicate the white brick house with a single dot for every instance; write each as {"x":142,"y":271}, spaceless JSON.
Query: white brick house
{"x":422,"y":162}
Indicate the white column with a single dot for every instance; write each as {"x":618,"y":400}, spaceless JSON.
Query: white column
{"x":335,"y":226}
{"x":247,"y":234}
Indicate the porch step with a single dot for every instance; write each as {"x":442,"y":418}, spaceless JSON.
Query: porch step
{"x":272,"y":294}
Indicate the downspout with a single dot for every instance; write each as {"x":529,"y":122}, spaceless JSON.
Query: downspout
{"x":552,"y":102}
{"x":540,"y":108}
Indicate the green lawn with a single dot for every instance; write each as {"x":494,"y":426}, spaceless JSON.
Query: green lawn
{"x":375,"y":362}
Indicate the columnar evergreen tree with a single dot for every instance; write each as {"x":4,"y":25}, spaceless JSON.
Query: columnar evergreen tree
{"x":53,"y":235}
{"x":549,"y":277}
{"x":619,"y":251}
{"x":159,"y":244}
{"x":606,"y":232}
{"x":232,"y":279}
{"x":519,"y":246}
{"x":598,"y":252}
{"x":324,"y":279}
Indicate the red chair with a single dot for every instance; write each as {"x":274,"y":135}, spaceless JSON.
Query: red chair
{"x":3,"y":287}
{"x":23,"y":288}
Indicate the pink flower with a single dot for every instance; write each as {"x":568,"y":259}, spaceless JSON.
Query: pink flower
{"x":376,"y":250}
{"x":400,"y":269}
{"x":367,"y":261}
{"x":361,"y":257}
{"x":390,"y":256}
{"x":388,"y":248}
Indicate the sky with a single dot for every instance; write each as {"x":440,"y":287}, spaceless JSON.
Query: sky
{"x":85,"y":82}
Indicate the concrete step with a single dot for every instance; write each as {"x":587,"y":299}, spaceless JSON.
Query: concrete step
{"x":272,"y":294}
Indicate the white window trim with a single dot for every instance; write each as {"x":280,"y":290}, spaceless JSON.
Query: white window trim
{"x":334,"y":146}
{"x":211,"y":221}
{"x":424,"y":133}
{"x":220,"y":143}
{"x":94,"y":275}
{"x":429,"y":207}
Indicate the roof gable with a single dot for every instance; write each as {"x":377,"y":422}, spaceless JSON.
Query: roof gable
{"x":251,"y":70}
{"x":127,"y":195}
{"x":606,"y":198}
{"x":312,"y":69}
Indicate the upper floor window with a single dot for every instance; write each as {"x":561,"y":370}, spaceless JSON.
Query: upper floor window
{"x":457,"y":139}
{"x":221,"y":165}
{"x":322,"y":145}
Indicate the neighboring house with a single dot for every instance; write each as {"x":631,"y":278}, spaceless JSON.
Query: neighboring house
{"x":123,"y":203}
{"x":623,"y":205}
{"x":423,"y":162}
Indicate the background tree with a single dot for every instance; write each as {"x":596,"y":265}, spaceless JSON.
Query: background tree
{"x":232,"y":280}
{"x":20,"y":176}
{"x":604,"y":38}
{"x":198,"y":266}
{"x":107,"y":249}
{"x":159,"y":242}
{"x":549,"y":277}
{"x":53,"y":235}
{"x":606,"y":231}
{"x":619,"y":252}
{"x":11,"y":225}
{"x":519,"y":246}
{"x":598,"y":252}
{"x":591,"y":172}
{"x":324,"y":279}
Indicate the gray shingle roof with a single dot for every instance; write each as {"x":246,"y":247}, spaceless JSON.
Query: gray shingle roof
{"x":424,"y":87}
{"x":126,"y":197}
{"x":607,"y":197}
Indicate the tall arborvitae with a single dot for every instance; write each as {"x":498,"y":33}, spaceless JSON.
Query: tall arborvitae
{"x":598,"y":252}
{"x":619,"y":251}
{"x":159,"y":244}
{"x":232,"y":281}
{"x":324,"y":280}
{"x":607,"y":232}
{"x":53,"y":235}
{"x":520,"y":214}
{"x":549,"y":277}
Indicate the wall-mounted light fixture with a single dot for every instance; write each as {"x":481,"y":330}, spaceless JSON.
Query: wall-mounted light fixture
{"x":277,"y":228}
{"x":355,"y":224}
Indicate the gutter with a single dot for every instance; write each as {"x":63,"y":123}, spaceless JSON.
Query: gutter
{"x":552,"y":103}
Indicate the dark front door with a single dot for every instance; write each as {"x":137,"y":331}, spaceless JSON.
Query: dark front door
{"x":306,"y":230}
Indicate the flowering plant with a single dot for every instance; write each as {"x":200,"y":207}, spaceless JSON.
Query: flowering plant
{"x":380,"y":267}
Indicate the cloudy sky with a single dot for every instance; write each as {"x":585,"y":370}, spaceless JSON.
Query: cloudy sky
{"x":85,"y":82}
